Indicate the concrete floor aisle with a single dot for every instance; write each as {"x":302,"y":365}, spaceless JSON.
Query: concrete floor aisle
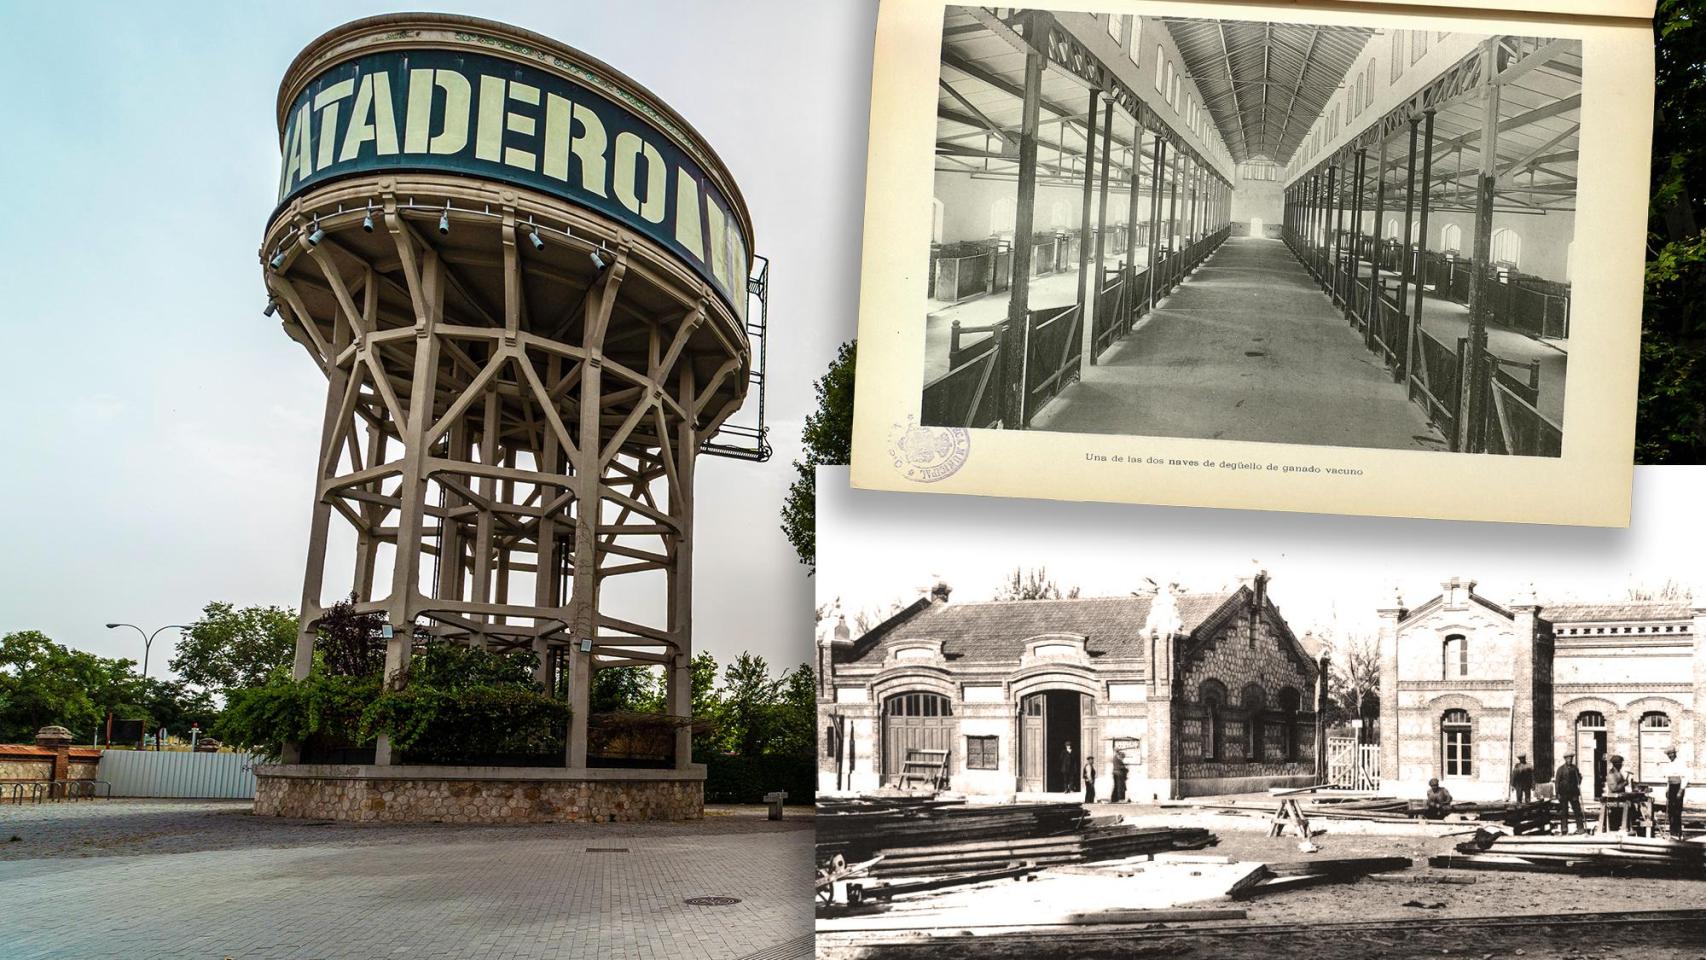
{"x":1247,"y":349}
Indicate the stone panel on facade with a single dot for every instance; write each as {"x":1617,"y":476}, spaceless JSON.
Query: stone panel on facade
{"x":369,"y":800}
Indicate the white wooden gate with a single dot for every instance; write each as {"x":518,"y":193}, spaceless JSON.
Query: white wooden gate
{"x":1352,"y":765}
{"x":169,"y":774}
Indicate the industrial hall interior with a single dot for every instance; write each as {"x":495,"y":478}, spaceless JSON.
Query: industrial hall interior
{"x":1217,"y":229}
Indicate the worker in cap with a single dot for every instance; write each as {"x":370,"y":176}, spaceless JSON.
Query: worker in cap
{"x":1567,"y":783}
{"x":1676,"y":774}
{"x":1522,"y":779}
{"x":1621,"y":794}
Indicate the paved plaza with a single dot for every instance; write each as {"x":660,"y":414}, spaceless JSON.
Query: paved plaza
{"x":145,"y":879}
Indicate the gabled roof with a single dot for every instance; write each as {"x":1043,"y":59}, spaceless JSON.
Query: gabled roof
{"x":996,"y":631}
{"x":1618,"y":611}
{"x":1439,"y":600}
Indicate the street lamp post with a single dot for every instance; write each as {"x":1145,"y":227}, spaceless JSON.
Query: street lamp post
{"x":147,"y":645}
{"x":147,"y":639}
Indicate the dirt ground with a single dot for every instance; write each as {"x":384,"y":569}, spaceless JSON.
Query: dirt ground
{"x":1412,"y":899}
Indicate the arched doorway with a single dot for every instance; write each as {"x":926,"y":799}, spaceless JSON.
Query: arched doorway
{"x":1051,"y":721}
{"x":1591,"y":751}
{"x":915,"y":720}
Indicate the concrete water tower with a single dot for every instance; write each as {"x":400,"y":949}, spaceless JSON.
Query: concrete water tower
{"x":527,"y":280}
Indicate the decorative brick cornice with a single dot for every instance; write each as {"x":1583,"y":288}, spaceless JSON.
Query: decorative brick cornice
{"x":1455,"y":685}
{"x":1590,"y":689}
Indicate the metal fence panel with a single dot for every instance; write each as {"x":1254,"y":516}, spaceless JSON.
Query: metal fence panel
{"x":143,"y":773}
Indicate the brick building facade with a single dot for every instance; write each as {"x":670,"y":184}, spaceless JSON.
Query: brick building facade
{"x":1475,"y":682}
{"x":1194,"y":693}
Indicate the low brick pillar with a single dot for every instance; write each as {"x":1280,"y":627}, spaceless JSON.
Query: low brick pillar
{"x":57,"y":739}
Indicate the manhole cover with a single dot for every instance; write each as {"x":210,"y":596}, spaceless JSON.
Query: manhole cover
{"x":606,"y":849}
{"x":711,"y":901}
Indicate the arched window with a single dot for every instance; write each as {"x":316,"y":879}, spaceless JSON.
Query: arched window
{"x":1160,"y":69}
{"x":1655,"y":733}
{"x":1212,"y":696}
{"x":1391,"y":232}
{"x":1416,"y":232}
{"x":938,"y":217}
{"x":1454,"y":657}
{"x":1451,"y":238}
{"x":1255,"y":718}
{"x":1569,"y":261}
{"x":1455,"y":747}
{"x":1507,"y":247}
{"x":1590,"y":718}
{"x":918,"y":705}
{"x":1002,"y":215}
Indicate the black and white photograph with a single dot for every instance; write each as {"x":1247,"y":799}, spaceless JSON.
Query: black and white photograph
{"x":1318,"y":259}
{"x":1051,"y":730}
{"x":1222,"y":229}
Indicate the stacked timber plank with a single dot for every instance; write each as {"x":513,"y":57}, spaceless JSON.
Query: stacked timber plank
{"x":860,"y":829}
{"x":918,"y":839}
{"x":1107,"y":843}
{"x":1598,"y":853}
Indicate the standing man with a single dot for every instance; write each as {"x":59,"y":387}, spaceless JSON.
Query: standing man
{"x":1068,"y":769}
{"x":1676,"y":775}
{"x":1568,"y":784}
{"x":1119,"y":777}
{"x":1522,"y":779}
{"x":1089,"y":779}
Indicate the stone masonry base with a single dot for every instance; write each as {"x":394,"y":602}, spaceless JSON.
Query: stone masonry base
{"x":520,"y":797}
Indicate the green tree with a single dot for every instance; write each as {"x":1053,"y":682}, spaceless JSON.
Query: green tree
{"x":1671,"y":412}
{"x":42,"y":683}
{"x":707,"y":706}
{"x":828,"y":439}
{"x":639,"y":689}
{"x":230,"y":647}
{"x":796,"y":731}
{"x":749,"y":710}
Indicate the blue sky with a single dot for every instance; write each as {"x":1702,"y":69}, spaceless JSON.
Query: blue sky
{"x":160,"y":430}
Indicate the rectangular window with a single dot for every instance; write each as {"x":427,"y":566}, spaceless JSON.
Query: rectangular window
{"x":1114,"y":25}
{"x":1418,"y":45}
{"x":982,"y":753}
{"x":1136,"y":36}
{"x":1160,"y":69}
{"x":1457,"y":760}
{"x":1397,"y":55}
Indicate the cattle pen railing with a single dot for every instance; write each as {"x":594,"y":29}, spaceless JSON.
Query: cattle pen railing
{"x":1434,"y":373}
{"x":1006,"y":375}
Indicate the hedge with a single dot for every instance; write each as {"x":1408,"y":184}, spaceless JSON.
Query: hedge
{"x":733,"y":779}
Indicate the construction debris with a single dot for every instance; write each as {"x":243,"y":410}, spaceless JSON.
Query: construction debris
{"x":1597,"y":853}
{"x":904,"y":845}
{"x":1293,"y":875}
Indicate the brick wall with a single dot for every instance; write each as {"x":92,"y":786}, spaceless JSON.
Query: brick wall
{"x":1246,"y":652}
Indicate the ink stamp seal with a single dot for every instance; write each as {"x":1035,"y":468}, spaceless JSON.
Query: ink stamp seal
{"x":928,"y":454}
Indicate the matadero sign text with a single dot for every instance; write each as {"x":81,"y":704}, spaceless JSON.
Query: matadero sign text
{"x":497,"y":119}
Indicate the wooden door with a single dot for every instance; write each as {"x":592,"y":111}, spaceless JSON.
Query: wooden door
{"x":1590,"y":759}
{"x":1089,"y":739}
{"x":1032,"y":757}
{"x":915,"y":721}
